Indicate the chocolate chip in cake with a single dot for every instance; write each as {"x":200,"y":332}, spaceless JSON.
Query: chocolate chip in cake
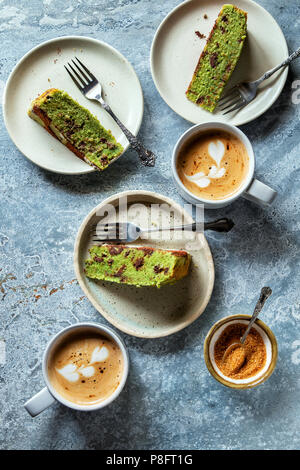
{"x":115,"y":250}
{"x":104,"y":160}
{"x":157,"y":269}
{"x":147,"y":251}
{"x":138,"y":263}
{"x":120,"y":271}
{"x":213,"y":59}
{"x":200,"y":100}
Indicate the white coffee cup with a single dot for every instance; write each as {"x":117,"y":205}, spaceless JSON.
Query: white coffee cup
{"x":49,"y":395}
{"x":251,"y":188}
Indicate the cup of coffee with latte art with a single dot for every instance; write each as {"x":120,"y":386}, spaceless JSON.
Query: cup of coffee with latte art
{"x":213,"y":164}
{"x":85,"y":367}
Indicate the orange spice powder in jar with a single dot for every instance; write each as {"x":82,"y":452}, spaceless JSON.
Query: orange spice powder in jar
{"x":241,"y":361}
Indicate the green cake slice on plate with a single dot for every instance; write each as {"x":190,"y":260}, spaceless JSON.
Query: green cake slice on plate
{"x":138,"y":266}
{"x":219,"y":57}
{"x":76,"y":128}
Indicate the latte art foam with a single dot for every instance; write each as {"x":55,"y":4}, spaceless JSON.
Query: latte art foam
{"x":72,"y":373}
{"x":214,"y":165}
{"x":217,"y":152}
{"x":86,"y":368}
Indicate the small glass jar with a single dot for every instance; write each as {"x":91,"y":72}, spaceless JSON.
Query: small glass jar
{"x":268,"y":339}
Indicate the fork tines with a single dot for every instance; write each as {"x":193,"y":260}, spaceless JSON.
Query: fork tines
{"x":231,"y":101}
{"x":111,"y":232}
{"x":81,"y":76}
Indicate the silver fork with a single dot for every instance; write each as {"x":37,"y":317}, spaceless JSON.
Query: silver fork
{"x":92,"y":89}
{"x":127,"y":232}
{"x":243,"y":93}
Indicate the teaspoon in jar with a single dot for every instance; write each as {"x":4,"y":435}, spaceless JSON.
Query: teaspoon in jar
{"x":241,"y":353}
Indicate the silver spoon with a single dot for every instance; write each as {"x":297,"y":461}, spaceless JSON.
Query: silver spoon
{"x":264,"y":295}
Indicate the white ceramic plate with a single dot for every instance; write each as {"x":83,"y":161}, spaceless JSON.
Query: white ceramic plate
{"x":43,"y":68}
{"x":176,"y":49}
{"x":147,"y":311}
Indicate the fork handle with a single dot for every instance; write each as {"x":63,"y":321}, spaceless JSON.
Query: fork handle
{"x":220,"y":225}
{"x":146,"y":156}
{"x":287,"y":61}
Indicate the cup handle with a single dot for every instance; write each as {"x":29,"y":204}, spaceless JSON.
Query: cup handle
{"x":39,"y":402}
{"x":260,"y":193}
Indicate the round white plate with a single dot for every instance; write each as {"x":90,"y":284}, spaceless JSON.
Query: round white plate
{"x":176,"y":49}
{"x":149,"y":312}
{"x":43,"y":68}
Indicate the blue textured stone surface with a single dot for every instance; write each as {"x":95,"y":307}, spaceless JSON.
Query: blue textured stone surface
{"x":170,"y":400}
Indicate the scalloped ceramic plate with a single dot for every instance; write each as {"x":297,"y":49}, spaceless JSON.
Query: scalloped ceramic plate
{"x":176,"y":49}
{"x":43,"y":68}
{"x":149,"y":312}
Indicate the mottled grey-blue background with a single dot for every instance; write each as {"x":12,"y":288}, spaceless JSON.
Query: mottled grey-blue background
{"x":170,"y":400}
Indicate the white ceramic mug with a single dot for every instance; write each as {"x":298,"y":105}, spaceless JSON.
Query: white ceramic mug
{"x":49,"y":395}
{"x":251,"y":188}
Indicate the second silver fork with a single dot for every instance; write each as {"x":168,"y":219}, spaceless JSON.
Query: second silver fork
{"x":92,"y":89}
{"x":243,"y":93}
{"x":127,"y":232}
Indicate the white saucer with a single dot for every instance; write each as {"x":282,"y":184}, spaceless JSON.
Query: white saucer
{"x":43,"y":68}
{"x":149,"y":312}
{"x":176,"y":49}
